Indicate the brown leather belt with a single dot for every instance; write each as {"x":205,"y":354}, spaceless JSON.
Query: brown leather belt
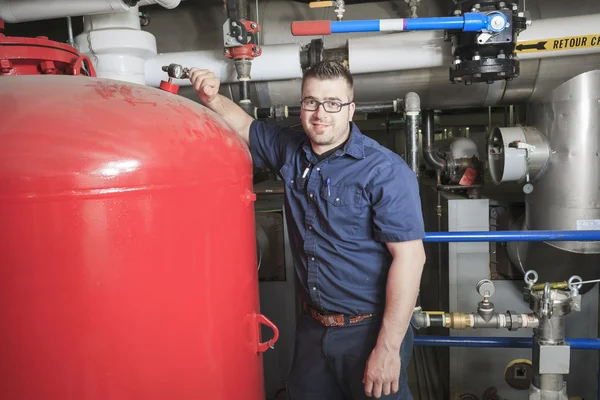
{"x":330,"y":320}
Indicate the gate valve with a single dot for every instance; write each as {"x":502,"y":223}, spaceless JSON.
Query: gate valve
{"x":239,"y":38}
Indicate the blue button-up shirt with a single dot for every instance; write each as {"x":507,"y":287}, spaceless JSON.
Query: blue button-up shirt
{"x":340,"y":213}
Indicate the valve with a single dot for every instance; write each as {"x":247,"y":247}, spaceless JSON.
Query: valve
{"x":485,"y":308}
{"x":486,"y":288}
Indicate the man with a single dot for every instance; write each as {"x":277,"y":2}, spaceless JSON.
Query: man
{"x":356,"y":229}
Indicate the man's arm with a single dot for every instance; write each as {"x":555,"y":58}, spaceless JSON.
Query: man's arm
{"x":401,"y":293}
{"x":397,"y":222}
{"x":206,"y":85}
{"x":383,"y":367}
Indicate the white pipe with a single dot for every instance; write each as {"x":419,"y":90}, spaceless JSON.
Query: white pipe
{"x":13,"y":11}
{"x":558,"y":28}
{"x":117,"y":46}
{"x":277,"y":62}
{"x":401,"y":51}
{"x":413,"y":50}
{"x":170,"y":4}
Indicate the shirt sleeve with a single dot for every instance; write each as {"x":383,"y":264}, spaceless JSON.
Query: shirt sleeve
{"x":396,"y":204}
{"x":267,"y":145}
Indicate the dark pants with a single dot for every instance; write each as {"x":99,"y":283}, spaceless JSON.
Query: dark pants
{"x":329,"y":363}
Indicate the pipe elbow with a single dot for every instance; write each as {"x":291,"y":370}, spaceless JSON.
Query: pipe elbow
{"x":168,"y":4}
{"x":434,"y":160}
{"x":6,"y":13}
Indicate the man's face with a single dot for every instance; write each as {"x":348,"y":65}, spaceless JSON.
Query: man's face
{"x":326,"y":129}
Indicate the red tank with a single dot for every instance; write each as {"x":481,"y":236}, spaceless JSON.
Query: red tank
{"x":127,"y":246}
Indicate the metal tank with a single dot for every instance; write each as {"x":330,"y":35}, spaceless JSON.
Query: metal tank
{"x":556,"y":158}
{"x":127,"y":246}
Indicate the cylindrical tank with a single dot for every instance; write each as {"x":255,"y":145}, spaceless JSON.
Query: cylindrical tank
{"x":567,"y":195}
{"x":127,"y":248}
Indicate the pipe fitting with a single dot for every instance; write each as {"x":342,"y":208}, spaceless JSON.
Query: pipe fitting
{"x":429,"y":154}
{"x":169,"y":4}
{"x":412,"y":103}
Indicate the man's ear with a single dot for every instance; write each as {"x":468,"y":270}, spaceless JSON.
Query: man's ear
{"x":351,"y":109}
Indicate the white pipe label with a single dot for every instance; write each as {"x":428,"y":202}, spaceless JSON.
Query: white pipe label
{"x":396,"y":24}
{"x":559,"y":44}
{"x":588,"y":225}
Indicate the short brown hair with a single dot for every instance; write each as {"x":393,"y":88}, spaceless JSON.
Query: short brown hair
{"x":326,"y":70}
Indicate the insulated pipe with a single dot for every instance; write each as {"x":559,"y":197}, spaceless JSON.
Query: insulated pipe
{"x":412,"y":109}
{"x":13,"y":11}
{"x":277,"y":62}
{"x":512,"y":236}
{"x":411,"y":50}
{"x":169,"y":4}
{"x":510,"y":342}
{"x":431,"y":157}
{"x":469,"y":22}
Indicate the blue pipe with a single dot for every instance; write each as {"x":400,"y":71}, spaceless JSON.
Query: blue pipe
{"x":431,"y":24}
{"x":512,"y":342}
{"x":512,"y":236}
{"x":469,"y":22}
{"x":355,"y":26}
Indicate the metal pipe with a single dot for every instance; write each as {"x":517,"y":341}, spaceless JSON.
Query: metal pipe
{"x":281,"y":111}
{"x":412,"y":109}
{"x":500,"y":342}
{"x":512,"y":236}
{"x":431,"y":158}
{"x":71,"y":40}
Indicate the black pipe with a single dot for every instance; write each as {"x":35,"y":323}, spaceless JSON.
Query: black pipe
{"x":244,"y":90}
{"x":436,"y":320}
{"x":431,"y":157}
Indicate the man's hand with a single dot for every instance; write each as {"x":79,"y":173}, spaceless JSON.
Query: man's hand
{"x":206,"y":84}
{"x":382,"y":373}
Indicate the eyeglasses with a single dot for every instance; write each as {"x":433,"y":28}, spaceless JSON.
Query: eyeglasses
{"x":331,"y":106}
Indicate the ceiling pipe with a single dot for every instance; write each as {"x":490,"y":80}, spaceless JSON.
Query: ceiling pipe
{"x":277,"y":62}
{"x":14,"y":11}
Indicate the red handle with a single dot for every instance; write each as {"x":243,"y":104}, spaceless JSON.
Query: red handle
{"x":262,"y":347}
{"x":79,"y":63}
{"x":311,"y":28}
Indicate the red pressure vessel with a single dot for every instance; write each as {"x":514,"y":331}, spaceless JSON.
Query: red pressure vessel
{"x":127,"y":247}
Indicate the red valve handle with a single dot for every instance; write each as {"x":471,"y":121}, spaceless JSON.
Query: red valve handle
{"x":264,"y":346}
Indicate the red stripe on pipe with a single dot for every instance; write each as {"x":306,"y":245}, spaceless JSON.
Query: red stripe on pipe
{"x":310,"y":28}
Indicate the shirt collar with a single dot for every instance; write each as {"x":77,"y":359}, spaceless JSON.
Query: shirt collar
{"x":354,"y":146}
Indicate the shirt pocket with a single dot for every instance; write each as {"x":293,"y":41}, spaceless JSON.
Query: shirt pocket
{"x":341,"y":209}
{"x":292,"y":178}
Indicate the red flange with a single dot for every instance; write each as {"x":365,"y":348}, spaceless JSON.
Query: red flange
{"x":37,"y":56}
{"x":247,"y":51}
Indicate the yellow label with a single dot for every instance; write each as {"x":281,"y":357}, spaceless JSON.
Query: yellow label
{"x":319,"y":4}
{"x":558,"y":44}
